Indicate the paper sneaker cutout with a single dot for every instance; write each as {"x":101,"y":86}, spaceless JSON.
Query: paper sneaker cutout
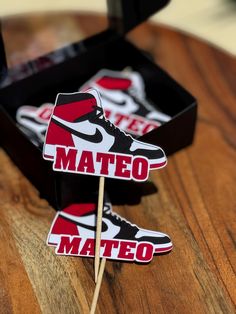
{"x":73,"y":233}
{"x":33,"y":121}
{"x":124,"y":101}
{"x":80,"y":140}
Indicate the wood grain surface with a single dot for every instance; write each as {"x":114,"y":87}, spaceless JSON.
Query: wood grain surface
{"x":195,"y":205}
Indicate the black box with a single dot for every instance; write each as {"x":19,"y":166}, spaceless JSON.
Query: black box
{"x":110,"y":50}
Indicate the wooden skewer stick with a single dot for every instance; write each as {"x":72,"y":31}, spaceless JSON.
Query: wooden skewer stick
{"x":98,"y":286}
{"x":99,"y":226}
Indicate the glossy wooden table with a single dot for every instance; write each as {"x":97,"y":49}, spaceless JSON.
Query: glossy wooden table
{"x":195,"y":205}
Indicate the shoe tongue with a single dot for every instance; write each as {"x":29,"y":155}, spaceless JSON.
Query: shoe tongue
{"x":107,"y":208}
{"x":107,"y":211}
{"x":137,"y":84}
{"x":95,"y":93}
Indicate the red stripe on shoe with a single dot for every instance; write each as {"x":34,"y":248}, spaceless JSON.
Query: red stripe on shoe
{"x":63,"y":226}
{"x":71,"y":111}
{"x":80,"y":209}
{"x":114,"y":83}
{"x":156,"y":166}
{"x":56,"y":135}
{"x":50,"y":243}
{"x":165,"y":249}
{"x":48,"y":157}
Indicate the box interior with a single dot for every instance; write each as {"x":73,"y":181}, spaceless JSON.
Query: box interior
{"x":105,"y":50}
{"x":114,"y":53}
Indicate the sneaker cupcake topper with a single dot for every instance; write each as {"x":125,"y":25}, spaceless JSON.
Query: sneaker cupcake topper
{"x":81,"y":140}
{"x":73,"y":233}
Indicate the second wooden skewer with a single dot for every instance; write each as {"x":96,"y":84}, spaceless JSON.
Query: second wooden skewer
{"x":98,"y":286}
{"x":99,"y":226}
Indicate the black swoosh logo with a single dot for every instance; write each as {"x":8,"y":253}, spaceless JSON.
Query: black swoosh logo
{"x":118,"y":103}
{"x":94,"y":138}
{"x":92,"y":228}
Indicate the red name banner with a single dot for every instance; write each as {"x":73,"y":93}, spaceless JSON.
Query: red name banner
{"x":120,"y":166}
{"x":112,"y":249}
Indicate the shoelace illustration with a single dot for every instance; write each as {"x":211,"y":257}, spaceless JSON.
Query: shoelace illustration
{"x":139,"y":98}
{"x":107,"y":123}
{"x":136,"y":93}
{"x":130,"y":228}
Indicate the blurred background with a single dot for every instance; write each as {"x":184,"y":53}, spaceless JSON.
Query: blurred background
{"x":39,"y":27}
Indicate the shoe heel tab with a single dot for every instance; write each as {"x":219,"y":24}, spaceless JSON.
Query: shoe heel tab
{"x":96,"y":95}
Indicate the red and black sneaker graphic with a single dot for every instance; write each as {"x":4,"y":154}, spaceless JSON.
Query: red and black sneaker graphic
{"x":33,"y":121}
{"x":78,"y":125}
{"x":124,"y":101}
{"x":73,"y":233}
